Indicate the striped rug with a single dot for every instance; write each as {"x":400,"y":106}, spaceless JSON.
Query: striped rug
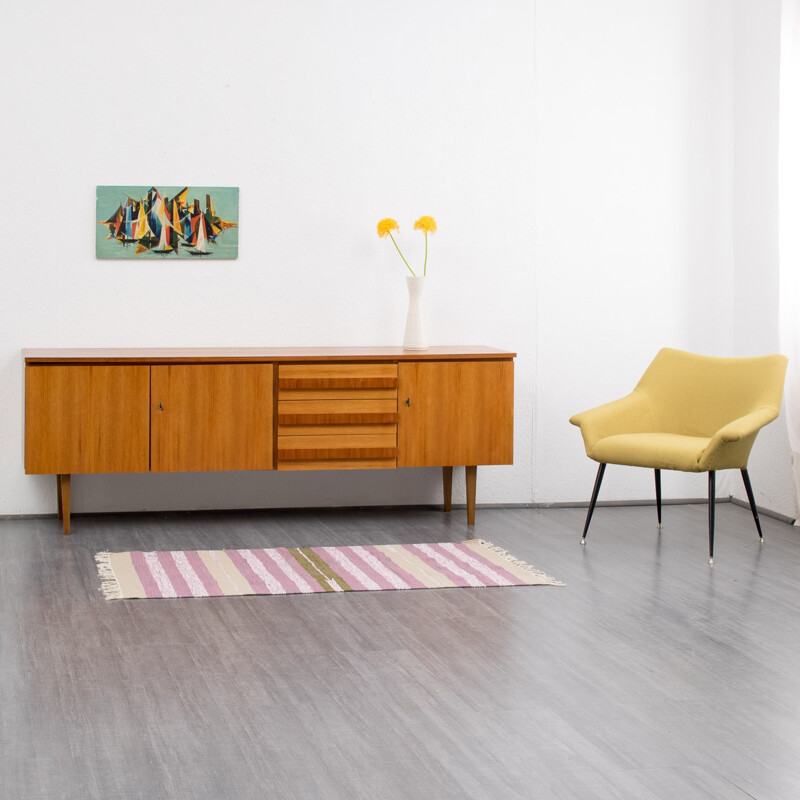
{"x":312,"y":570}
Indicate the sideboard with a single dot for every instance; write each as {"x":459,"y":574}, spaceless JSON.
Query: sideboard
{"x":182,"y":410}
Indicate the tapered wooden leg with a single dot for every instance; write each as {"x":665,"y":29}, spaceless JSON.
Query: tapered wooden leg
{"x":472,"y":482}
{"x":58,"y":492}
{"x":447,"y":487}
{"x":64,"y":487}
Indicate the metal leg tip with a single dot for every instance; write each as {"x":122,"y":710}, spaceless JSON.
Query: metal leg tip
{"x":659,"y":526}
{"x":711,"y":561}
{"x":583,"y":542}
{"x":761,"y":540}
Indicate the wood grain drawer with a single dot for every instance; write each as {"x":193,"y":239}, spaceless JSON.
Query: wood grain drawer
{"x":288,"y":465}
{"x":338,"y":393}
{"x":339,"y":441}
{"x":331,"y":371}
{"x":337,"y":381}
{"x":348,"y":406}
{"x":337,"y":416}
{"x":320,"y":429}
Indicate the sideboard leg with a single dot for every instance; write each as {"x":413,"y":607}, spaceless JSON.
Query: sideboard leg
{"x":447,"y":487}
{"x":472,"y":481}
{"x":63,"y":497}
{"x":58,"y":492}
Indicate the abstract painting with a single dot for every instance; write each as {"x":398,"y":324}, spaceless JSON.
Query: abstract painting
{"x":199,"y":222}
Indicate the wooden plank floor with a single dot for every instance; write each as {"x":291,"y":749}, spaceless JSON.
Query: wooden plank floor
{"x":649,"y":675}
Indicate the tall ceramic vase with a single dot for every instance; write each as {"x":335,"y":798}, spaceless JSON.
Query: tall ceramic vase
{"x":414,"y":338}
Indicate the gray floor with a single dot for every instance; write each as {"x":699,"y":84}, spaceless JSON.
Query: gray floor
{"x":649,"y":675}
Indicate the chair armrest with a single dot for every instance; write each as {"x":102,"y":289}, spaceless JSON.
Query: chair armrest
{"x":746,"y":425}
{"x":730,"y":446}
{"x":629,"y":414}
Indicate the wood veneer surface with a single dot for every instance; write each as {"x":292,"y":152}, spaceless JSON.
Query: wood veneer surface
{"x":330,"y":396}
{"x":211,"y":417}
{"x":455,"y":413}
{"x":86,"y":419}
{"x":177,"y":355}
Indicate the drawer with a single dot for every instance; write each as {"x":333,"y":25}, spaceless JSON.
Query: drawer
{"x":314,"y":429}
{"x":333,"y":371}
{"x":337,"y":416}
{"x":337,"y":381}
{"x":339,"y":463}
{"x":379,"y":445}
{"x":338,"y":393}
{"x":341,"y":409}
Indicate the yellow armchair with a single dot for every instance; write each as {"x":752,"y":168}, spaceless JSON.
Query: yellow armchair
{"x":690,"y":413}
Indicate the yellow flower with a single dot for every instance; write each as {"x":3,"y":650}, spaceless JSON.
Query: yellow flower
{"x":427,"y":224}
{"x":386,"y":226}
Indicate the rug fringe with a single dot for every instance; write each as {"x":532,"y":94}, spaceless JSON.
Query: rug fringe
{"x":109,"y":585}
{"x":504,"y":554}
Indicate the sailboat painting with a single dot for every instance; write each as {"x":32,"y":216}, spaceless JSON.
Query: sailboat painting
{"x":168,"y":222}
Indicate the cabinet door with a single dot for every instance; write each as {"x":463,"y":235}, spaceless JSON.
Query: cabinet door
{"x":84,"y":419}
{"x":211,"y":417}
{"x":455,"y":413}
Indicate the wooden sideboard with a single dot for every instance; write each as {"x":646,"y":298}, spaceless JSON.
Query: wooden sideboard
{"x":182,"y":410}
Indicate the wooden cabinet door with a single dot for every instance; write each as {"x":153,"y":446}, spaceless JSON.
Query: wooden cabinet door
{"x":207,"y":417}
{"x":455,"y":413}
{"x":86,"y":418}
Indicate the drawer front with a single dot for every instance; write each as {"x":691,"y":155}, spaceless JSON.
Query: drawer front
{"x":337,"y":416}
{"x":332,"y":371}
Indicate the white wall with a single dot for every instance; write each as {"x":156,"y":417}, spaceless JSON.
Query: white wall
{"x":635,"y":148}
{"x":328,"y":117}
{"x":756,"y":267}
{"x":581,"y":167}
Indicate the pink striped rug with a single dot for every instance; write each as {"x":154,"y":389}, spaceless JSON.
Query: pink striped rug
{"x":312,"y":570}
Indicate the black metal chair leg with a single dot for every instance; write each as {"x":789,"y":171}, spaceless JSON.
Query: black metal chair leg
{"x":597,"y":481}
{"x":749,"y":489}
{"x":712,"y":498}
{"x":658,"y":496}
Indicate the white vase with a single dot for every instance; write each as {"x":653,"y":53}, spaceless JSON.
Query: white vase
{"x":414,"y":338}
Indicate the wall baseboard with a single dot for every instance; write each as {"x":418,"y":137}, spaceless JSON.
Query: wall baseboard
{"x":765,"y":511}
{"x":422,"y":507}
{"x":679,"y":501}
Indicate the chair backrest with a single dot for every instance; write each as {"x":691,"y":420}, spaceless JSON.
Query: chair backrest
{"x":697,"y":395}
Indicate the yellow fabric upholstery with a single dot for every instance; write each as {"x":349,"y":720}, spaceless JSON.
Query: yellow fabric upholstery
{"x":654,"y":450}
{"x":688,"y":412}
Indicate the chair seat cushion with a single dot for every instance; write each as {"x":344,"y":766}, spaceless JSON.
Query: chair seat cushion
{"x":652,"y":450}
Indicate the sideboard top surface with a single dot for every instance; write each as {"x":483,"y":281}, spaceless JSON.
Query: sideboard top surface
{"x":188,"y":355}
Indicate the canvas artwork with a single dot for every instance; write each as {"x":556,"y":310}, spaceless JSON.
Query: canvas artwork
{"x":167,"y":222}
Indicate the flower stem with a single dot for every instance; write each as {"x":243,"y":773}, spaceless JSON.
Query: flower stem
{"x":425,"y":265}
{"x":401,"y":255}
